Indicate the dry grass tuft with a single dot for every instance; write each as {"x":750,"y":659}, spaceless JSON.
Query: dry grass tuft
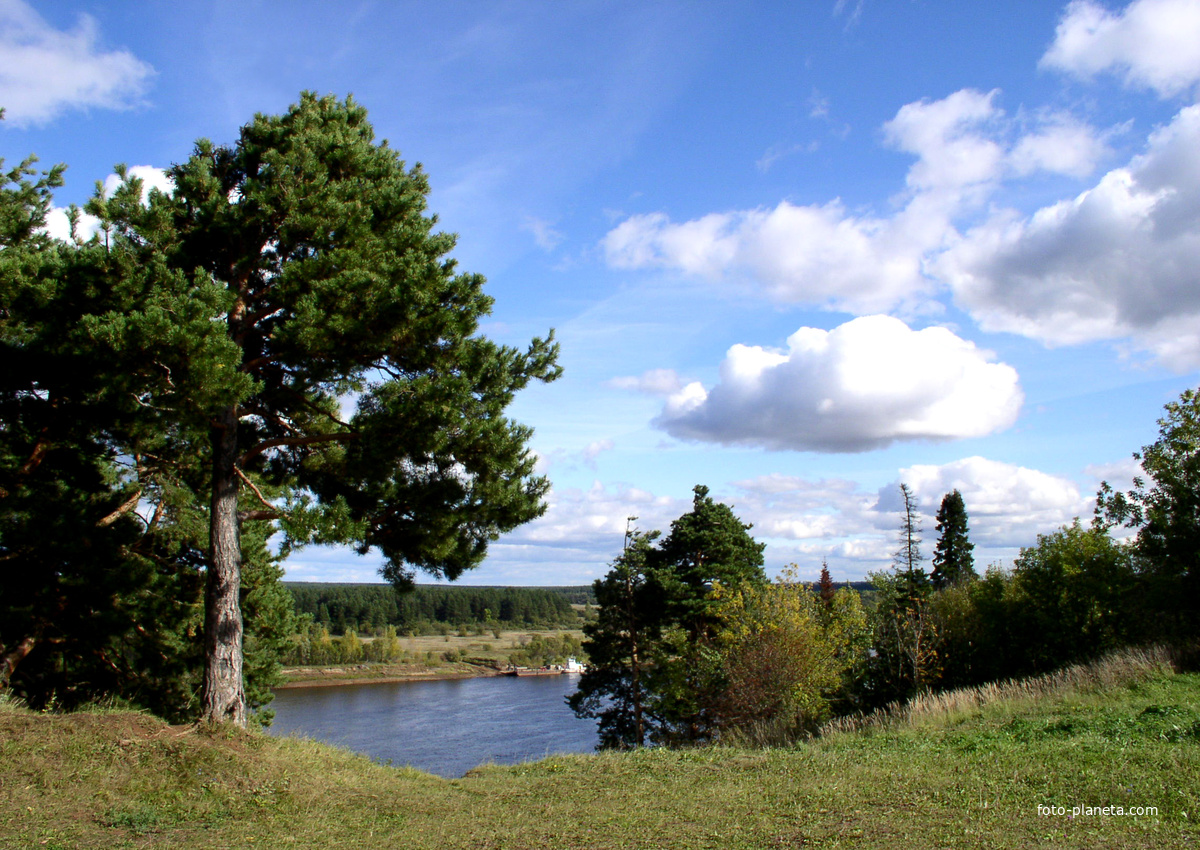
{"x":1118,"y":669}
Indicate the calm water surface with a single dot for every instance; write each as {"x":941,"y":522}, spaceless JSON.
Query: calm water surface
{"x":445,"y":728}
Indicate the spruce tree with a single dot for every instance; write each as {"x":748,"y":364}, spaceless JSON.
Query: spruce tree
{"x":825,"y":587}
{"x":953,"y":562}
{"x":907,"y":558}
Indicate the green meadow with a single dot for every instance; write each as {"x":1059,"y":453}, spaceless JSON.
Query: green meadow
{"x":967,"y":769}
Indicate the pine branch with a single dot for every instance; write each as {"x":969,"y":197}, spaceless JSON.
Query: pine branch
{"x":272,"y":512}
{"x":126,"y":506}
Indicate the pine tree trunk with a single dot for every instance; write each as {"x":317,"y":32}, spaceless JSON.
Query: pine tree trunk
{"x":224,"y":697}
{"x":10,"y":658}
{"x":635,"y":663}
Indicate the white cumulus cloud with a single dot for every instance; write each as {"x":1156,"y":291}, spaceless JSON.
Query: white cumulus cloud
{"x":809,"y":254}
{"x":1120,"y":260}
{"x":948,"y":138}
{"x":861,"y":386}
{"x":790,"y":507}
{"x":593,"y":520}
{"x":1062,"y":144}
{"x":1007,"y":505}
{"x":1151,"y":44}
{"x":860,"y":262}
{"x":44,"y":71}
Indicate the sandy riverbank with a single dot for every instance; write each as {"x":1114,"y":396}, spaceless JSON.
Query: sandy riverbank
{"x":372,"y":674}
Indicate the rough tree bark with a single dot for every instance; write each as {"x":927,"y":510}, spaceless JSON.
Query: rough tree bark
{"x":635,"y":662}
{"x":224,"y":697}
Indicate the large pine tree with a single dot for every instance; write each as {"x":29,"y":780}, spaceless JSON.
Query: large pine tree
{"x":621,"y":644}
{"x":342,"y":390}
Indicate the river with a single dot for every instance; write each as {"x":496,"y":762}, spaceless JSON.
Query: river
{"x":443,"y":727}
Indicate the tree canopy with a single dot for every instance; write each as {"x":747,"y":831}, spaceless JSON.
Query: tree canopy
{"x":652,"y":671}
{"x":705,"y":546}
{"x":1164,"y":507}
{"x":281,"y":338}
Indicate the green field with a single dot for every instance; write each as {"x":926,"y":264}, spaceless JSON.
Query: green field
{"x":952,"y":774}
{"x":425,"y":656}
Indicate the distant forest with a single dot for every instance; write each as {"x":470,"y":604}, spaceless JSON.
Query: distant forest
{"x":370,"y":608}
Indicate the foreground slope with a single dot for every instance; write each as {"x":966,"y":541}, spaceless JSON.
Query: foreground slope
{"x":961,"y":776}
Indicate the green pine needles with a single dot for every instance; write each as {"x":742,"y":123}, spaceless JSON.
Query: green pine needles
{"x":283,"y":339}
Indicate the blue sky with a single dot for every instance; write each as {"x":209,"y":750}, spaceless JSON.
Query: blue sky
{"x":796,"y":252}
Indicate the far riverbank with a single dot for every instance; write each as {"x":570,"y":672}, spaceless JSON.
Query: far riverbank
{"x":373,"y":674}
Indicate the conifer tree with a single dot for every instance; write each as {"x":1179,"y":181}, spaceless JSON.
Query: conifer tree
{"x":621,"y":647}
{"x":908,"y":558}
{"x":906,"y":639}
{"x":705,"y":548}
{"x":96,"y":599}
{"x":953,"y":562}
{"x":709,"y":544}
{"x":651,"y":663}
{"x":825,"y":586}
{"x":341,"y":390}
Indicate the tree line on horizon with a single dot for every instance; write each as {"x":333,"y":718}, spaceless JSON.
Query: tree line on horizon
{"x":371,"y":608}
{"x":691,"y":642}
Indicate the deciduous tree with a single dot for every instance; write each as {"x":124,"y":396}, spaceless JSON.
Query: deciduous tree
{"x":1070,"y":596}
{"x":783,"y":653}
{"x":1164,"y":507}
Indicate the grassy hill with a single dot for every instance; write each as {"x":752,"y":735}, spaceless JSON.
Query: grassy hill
{"x":967,"y":771}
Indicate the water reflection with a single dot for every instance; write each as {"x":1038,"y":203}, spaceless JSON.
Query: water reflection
{"x":445,"y":727}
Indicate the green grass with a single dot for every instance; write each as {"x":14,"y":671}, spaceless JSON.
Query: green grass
{"x":968,"y":774}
